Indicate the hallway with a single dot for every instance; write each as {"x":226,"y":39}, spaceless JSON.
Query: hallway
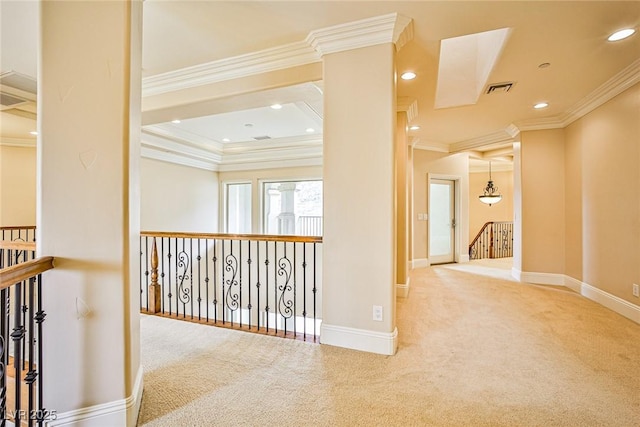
{"x":474,"y":351}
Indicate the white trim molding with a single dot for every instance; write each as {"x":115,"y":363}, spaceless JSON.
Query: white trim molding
{"x":360,"y":339}
{"x":420,"y":263}
{"x":123,"y":412}
{"x":402,"y":289}
{"x":18,"y":142}
{"x":612,"y":302}
{"x":272,"y":59}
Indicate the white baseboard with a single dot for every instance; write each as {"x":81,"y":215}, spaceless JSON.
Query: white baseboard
{"x":463,"y":258}
{"x":123,"y":412}
{"x":612,"y":302}
{"x":420,"y":263}
{"x":360,"y":339}
{"x":402,"y":290}
{"x":542,"y":278}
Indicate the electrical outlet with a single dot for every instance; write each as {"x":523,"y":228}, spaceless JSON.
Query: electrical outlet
{"x":377,"y":313}
{"x":636,"y":291}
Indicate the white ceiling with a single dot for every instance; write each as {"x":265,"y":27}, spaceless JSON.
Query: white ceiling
{"x":571,"y":36}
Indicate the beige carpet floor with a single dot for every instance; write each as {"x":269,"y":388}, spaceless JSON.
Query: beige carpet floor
{"x":474,"y":350}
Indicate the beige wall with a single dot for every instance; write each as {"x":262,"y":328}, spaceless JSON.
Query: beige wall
{"x":17,"y":185}
{"x":439,"y":164}
{"x":480,"y":213}
{"x":256,"y":177}
{"x":542,"y":175}
{"x":603,"y":187}
{"x":178,"y":198}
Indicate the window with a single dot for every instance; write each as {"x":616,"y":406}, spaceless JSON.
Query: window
{"x":292,"y":207}
{"x":238,"y":203}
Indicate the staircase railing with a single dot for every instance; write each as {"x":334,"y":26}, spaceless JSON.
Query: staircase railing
{"x":12,"y":253}
{"x":23,"y":233}
{"x":494,"y":240}
{"x":259,"y":283}
{"x":21,"y":328}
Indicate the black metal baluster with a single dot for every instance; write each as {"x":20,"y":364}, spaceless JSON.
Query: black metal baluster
{"x":199,"y":258}
{"x":315,"y":289}
{"x":169,"y":273}
{"x":258,"y":283}
{"x":39,"y":318}
{"x":240,"y":283}
{"x":191,"y":276}
{"x":224,"y":305}
{"x":304,"y":291}
{"x":32,"y":374}
{"x":215,"y":284}
{"x":266,"y":294}
{"x":293,"y":315}
{"x":4,"y":353}
{"x":17,"y":336}
{"x":275,"y":287}
{"x":161,"y":266}
{"x":249,"y":281}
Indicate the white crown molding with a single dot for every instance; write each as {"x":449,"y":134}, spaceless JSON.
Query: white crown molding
{"x":183,"y":136}
{"x":184,"y":149}
{"x":273,"y":164}
{"x":617,"y":84}
{"x":431,"y":146}
{"x":155,"y":153}
{"x":499,"y":137}
{"x":408,"y":105}
{"x":390,"y":28}
{"x":18,"y":142}
{"x":272,"y":59}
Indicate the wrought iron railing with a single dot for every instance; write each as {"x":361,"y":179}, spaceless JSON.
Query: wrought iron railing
{"x":260,"y":283}
{"x":21,"y":329}
{"x":494,"y":240}
{"x":21,"y":233}
{"x":12,"y":253}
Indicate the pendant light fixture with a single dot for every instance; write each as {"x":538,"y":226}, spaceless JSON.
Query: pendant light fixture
{"x":490,"y":193}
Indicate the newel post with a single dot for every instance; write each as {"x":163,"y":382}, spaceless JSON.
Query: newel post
{"x":155,"y":297}
{"x":490,"y":241}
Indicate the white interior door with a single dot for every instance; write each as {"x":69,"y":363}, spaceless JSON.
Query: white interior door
{"x":442,"y":221}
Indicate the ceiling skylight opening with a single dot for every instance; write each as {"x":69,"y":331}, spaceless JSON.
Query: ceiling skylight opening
{"x":541,"y":105}
{"x":409,"y":75}
{"x":176,"y":121}
{"x":276,"y":106}
{"x":621,"y":34}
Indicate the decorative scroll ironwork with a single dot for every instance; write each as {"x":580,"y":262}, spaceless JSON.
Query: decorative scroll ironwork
{"x":494,"y":240}
{"x":285,"y":304}
{"x":231,"y":298}
{"x":184,"y":294}
{"x":266,"y":284}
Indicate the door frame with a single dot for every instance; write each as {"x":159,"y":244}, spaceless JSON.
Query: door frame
{"x":456,"y":211}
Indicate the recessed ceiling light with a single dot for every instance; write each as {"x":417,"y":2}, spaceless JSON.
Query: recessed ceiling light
{"x":414,"y":127}
{"x":310,"y":130}
{"x":176,"y":121}
{"x":540,"y":105}
{"x":276,"y":106}
{"x":409,"y":75}
{"x":33,"y":132}
{"x":621,"y":34}
{"x":226,"y":140}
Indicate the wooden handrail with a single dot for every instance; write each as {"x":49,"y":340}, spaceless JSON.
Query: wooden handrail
{"x":222,"y":236}
{"x":475,"y":239}
{"x":19,"y":272}
{"x":17,"y":245}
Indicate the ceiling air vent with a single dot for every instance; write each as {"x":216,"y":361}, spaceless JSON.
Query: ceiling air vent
{"x":10,"y":101}
{"x":261,"y":138}
{"x":499,"y":87}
